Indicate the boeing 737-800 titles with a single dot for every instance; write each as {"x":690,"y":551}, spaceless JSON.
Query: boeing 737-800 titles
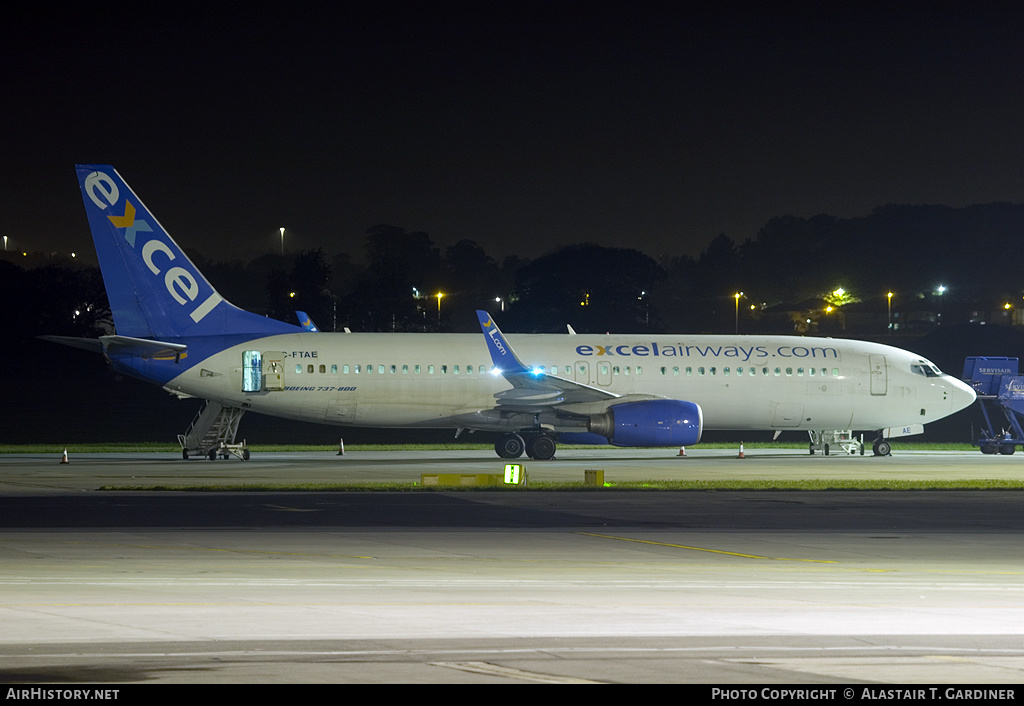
{"x":173,"y":329}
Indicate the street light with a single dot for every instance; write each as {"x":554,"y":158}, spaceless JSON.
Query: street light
{"x":439,"y":295}
{"x":737,"y":296}
{"x":282,"y":242}
{"x":889,"y":296}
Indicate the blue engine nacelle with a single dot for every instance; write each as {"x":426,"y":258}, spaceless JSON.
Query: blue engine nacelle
{"x":650,"y":423}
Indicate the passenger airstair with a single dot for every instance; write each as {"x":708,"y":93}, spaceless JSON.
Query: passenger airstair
{"x":1000,"y":389}
{"x":212,"y":433}
{"x":828,"y":440}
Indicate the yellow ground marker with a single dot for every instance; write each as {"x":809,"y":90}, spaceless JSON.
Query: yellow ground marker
{"x":704,"y":549}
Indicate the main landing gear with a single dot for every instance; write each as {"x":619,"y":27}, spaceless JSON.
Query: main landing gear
{"x":881,"y":447}
{"x":538,"y":446}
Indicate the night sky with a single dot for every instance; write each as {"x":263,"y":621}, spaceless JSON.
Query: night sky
{"x":523,"y":126}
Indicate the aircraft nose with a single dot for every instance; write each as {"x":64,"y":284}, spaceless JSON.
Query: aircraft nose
{"x":961,"y":395}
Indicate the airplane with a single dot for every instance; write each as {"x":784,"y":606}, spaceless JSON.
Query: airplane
{"x":628,"y":390}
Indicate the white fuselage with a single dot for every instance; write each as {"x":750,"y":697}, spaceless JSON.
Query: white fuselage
{"x":442,"y":380}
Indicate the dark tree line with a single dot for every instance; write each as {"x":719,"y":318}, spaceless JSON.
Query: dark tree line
{"x":394,"y":285}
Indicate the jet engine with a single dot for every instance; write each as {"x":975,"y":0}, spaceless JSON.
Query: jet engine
{"x":647,"y":423}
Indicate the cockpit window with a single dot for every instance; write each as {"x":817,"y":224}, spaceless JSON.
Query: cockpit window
{"x":923,"y":367}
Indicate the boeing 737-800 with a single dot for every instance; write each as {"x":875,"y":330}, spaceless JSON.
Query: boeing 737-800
{"x":173,"y":329}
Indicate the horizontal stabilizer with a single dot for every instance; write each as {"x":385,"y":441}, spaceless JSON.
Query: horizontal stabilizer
{"x":143,"y":348}
{"x":86,"y":344}
{"x":124,"y":346}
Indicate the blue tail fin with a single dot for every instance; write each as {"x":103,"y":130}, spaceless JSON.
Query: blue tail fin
{"x":306,"y":323}
{"x":154,"y":289}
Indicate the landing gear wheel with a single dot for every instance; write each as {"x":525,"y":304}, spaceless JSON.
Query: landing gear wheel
{"x":212,"y":455}
{"x":541,"y":448}
{"x":510,"y":446}
{"x":881,"y":447}
{"x":245,"y":454}
{"x":1007,"y":449}
{"x":184,"y":454}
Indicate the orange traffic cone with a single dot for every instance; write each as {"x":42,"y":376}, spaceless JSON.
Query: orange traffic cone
{"x":341,"y":447}
{"x":64,"y":458}
{"x":741,"y":451}
{"x":682,"y":451}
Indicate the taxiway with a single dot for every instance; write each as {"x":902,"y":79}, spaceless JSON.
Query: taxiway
{"x":507,"y":586}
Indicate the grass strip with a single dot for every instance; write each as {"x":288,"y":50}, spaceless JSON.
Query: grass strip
{"x":811,"y":484}
{"x":161,"y":447}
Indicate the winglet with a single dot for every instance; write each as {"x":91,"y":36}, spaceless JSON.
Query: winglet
{"x":306,"y":323}
{"x":502,"y":355}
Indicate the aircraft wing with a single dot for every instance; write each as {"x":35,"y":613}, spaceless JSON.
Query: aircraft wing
{"x":535,"y":391}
